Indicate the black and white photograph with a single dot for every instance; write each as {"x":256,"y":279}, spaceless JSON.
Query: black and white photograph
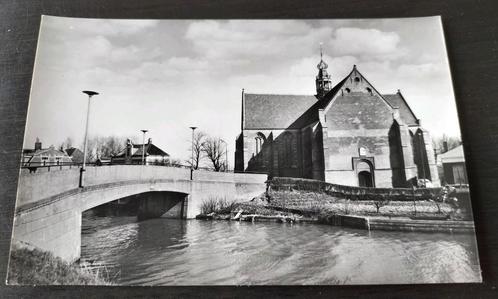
{"x":242,"y":152}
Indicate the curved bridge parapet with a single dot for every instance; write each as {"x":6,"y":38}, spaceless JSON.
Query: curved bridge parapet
{"x":50,"y":204}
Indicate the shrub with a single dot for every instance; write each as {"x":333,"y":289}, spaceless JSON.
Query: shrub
{"x":217,"y":206}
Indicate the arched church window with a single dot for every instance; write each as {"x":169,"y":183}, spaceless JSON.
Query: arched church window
{"x":260,"y":139}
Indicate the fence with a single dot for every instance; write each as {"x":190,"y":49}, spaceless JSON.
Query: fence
{"x":356,"y":193}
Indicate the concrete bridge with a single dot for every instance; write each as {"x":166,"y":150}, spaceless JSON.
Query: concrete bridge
{"x":50,"y":204}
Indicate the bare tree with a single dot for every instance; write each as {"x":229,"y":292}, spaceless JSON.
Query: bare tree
{"x":68,"y":143}
{"x":99,"y":147}
{"x":379,"y":203}
{"x":109,"y":146}
{"x":214,"y":150}
{"x":197,"y":148}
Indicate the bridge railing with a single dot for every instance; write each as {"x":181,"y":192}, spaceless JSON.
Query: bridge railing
{"x":51,"y":166}
{"x":34,"y":167}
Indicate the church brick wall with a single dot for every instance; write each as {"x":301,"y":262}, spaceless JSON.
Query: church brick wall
{"x":359,"y":120}
{"x":273,"y":157}
{"x":354,"y":136}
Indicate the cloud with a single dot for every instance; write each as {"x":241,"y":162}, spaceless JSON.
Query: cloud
{"x":255,"y":40}
{"x":98,"y":26}
{"x":363,"y":43}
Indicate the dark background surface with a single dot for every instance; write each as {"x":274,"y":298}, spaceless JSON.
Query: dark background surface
{"x":471,"y":29}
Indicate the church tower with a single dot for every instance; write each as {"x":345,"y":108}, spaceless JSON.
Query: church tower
{"x":323,"y":82}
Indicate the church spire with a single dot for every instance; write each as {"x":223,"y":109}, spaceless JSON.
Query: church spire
{"x":323,"y":82}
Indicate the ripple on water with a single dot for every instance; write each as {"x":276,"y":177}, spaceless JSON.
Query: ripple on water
{"x":177,"y":252}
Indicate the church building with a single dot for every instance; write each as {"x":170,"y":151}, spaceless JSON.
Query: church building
{"x":348,"y":134}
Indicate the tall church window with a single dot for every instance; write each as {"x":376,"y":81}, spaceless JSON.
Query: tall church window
{"x":288,"y":154}
{"x":260,"y":139}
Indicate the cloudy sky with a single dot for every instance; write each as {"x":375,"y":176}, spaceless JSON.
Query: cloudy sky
{"x":167,"y":75}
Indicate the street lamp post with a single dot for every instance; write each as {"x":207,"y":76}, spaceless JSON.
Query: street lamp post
{"x":422,"y":156}
{"x":83,"y":167}
{"x":143,"y":146}
{"x":192,"y":161}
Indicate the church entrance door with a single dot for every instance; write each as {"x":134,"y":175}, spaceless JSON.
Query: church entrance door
{"x":365,"y":179}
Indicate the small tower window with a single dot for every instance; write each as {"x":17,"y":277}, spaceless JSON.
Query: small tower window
{"x":348,"y":90}
{"x":369,"y":90}
{"x":357,"y":79}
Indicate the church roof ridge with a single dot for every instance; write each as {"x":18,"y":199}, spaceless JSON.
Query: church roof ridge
{"x":279,"y":94}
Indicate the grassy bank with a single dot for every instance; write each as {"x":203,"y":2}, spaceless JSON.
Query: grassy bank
{"x":313,"y":205}
{"x":319,"y":203}
{"x":29,"y":266}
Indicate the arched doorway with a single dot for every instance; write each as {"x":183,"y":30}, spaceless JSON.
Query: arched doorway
{"x":365,"y":179}
{"x":364,"y":170}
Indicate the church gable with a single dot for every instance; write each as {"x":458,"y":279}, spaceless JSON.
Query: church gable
{"x":357,"y":104}
{"x":358,"y":110}
{"x":355,"y":82}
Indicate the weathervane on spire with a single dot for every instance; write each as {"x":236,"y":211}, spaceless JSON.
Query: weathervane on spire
{"x":323,"y":82}
{"x":322,"y":65}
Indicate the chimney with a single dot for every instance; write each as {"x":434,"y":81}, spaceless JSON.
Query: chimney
{"x":445,"y":146}
{"x":38,"y":144}
{"x":128,"y":148}
{"x":149,"y":141}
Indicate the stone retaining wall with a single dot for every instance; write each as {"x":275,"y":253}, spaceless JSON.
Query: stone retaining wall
{"x":355,"y":193}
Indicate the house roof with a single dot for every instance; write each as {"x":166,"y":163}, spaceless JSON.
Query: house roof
{"x":36,"y":156}
{"x":273,"y":111}
{"x":70,"y":151}
{"x":453,"y":156}
{"x":397,"y":100}
{"x":150,"y":150}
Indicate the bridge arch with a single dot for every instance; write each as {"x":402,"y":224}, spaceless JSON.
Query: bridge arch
{"x":146,"y":205}
{"x":49,"y":205}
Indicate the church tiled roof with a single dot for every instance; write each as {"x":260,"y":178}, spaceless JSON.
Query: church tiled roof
{"x":271,"y":111}
{"x":406,"y":114}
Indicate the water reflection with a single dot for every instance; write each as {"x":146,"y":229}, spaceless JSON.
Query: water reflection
{"x":176,"y":252}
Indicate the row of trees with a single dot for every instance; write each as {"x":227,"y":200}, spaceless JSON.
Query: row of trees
{"x":212,"y":149}
{"x":445,"y":143}
{"x":205,"y":148}
{"x":99,"y":146}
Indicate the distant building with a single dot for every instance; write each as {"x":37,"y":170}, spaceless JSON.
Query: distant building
{"x":132,"y":154}
{"x":44,"y":156}
{"x":75,"y":154}
{"x":101,"y":161}
{"x":349,"y":134}
{"x":453,"y":166}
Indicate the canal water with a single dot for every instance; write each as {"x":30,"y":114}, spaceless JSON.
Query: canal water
{"x":195,"y":252}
